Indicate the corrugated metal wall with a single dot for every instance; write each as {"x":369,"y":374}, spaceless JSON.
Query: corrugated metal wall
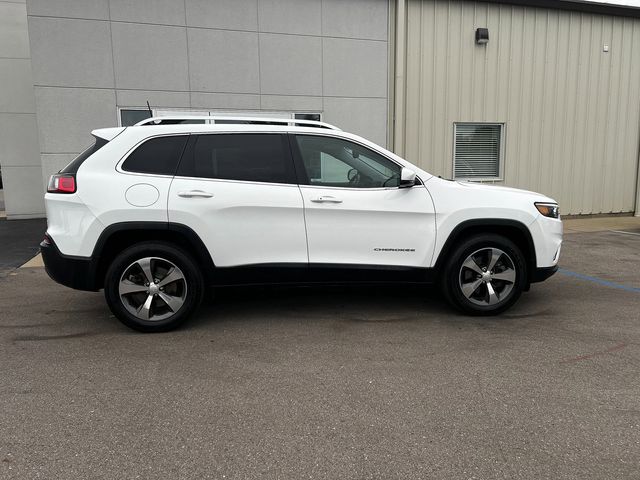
{"x":572,"y":111}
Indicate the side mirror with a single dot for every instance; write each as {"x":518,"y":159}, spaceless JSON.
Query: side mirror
{"x":407,"y":178}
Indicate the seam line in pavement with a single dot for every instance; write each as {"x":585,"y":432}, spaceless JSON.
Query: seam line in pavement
{"x":626,"y":233}
{"x":599,"y":281}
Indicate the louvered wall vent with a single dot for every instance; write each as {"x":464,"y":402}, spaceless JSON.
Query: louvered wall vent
{"x":477,"y":150}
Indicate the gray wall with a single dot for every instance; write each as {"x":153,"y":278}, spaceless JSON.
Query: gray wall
{"x":572,"y":111}
{"x":19,"y":152}
{"x":91,"y":56}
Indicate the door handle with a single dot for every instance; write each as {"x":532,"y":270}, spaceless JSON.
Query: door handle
{"x":195,"y":193}
{"x":326,"y":199}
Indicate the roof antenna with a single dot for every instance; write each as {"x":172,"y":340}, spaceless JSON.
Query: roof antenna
{"x":157,"y":122}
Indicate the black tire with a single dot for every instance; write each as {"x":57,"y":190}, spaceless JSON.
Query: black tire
{"x":189,"y":287}
{"x":453,"y":274}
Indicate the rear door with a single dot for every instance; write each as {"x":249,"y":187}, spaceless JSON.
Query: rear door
{"x":238,"y":192}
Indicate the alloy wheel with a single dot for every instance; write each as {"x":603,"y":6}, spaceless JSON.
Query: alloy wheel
{"x":152,"y":288}
{"x":487,"y":276}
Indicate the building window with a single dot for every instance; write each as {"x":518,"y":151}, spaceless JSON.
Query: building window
{"x":316,"y":117}
{"x":477,"y":152}
{"x":130,"y":116}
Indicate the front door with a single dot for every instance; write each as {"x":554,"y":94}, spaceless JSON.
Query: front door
{"x":356,"y":215}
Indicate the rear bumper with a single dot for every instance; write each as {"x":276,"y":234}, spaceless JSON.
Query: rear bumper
{"x":540,"y":274}
{"x":70,"y":271}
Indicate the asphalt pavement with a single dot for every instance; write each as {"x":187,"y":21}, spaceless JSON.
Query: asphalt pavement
{"x":326,"y":383}
{"x":19,"y":241}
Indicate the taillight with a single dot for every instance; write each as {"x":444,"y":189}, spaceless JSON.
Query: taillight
{"x":62,"y":183}
{"x":46,"y":241}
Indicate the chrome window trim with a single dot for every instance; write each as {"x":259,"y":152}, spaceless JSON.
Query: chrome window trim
{"x":226,"y":180}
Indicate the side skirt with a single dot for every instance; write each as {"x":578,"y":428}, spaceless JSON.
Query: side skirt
{"x":320,"y":274}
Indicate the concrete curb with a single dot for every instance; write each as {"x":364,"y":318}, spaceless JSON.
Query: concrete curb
{"x":35,"y":262}
{"x":579,"y":225}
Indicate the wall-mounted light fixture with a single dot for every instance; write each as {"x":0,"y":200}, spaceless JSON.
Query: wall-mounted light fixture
{"x":482,"y":36}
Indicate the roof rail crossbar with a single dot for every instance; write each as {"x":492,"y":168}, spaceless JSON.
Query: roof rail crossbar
{"x":215,"y":118}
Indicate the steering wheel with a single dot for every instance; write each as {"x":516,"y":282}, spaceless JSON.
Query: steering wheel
{"x":353,"y":176}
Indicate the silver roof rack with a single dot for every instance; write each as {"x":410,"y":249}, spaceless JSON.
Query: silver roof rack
{"x":213,"y":119}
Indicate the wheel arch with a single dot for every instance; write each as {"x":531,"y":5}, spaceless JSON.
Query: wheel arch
{"x":514,"y":230}
{"x":119,"y":236}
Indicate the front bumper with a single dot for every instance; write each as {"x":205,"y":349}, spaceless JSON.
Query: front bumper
{"x":70,"y":271}
{"x":547,"y":239}
{"x":540,"y":274}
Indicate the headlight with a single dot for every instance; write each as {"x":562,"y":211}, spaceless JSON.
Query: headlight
{"x":550,"y":210}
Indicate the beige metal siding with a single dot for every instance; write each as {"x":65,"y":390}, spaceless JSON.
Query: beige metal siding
{"x":571,"y":111}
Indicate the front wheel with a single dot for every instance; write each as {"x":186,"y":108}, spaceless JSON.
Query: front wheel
{"x":485,"y":275}
{"x":153,"y":286}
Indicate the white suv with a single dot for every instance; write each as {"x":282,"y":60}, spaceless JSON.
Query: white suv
{"x":157,"y":212}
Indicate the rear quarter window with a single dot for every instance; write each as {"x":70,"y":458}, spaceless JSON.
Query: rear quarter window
{"x":158,"y":156}
{"x":76,"y":162}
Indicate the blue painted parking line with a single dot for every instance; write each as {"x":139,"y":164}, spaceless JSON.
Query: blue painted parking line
{"x":599,"y":281}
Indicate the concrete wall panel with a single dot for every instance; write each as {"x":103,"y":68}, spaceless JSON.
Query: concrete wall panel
{"x":19,"y":140}
{"x":71,"y":52}
{"x":14,"y":36}
{"x":17,"y":89}
{"x":290,"y":16}
{"x":66,"y":117}
{"x":164,"y":12}
{"x":23,"y":191}
{"x":354,"y":68}
{"x":355,"y":18}
{"x":91,"y":9}
{"x":223,"y":61}
{"x":150,"y":57}
{"x":224,"y":14}
{"x":290,"y":64}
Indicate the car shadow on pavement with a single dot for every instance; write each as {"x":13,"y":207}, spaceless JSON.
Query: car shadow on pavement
{"x":347,"y":304}
{"x":70,"y":314}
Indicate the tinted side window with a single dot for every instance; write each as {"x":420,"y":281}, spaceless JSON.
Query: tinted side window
{"x":158,"y":155}
{"x":334,"y":162}
{"x":250,"y":157}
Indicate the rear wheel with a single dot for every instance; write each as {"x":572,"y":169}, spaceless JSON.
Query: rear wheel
{"x":485,"y":275}
{"x":153,"y":286}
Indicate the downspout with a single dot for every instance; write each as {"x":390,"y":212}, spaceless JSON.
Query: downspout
{"x":398,"y":142}
{"x":637,"y":209}
{"x":637,"y":205}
